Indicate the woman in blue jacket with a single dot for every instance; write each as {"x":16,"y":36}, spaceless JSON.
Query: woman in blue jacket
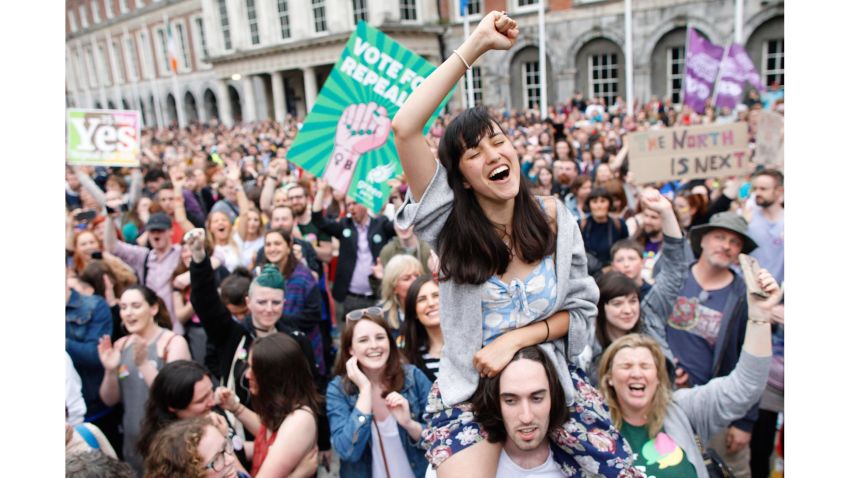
{"x":375,"y":403}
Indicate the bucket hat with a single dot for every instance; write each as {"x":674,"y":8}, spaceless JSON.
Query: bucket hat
{"x":722,"y":220}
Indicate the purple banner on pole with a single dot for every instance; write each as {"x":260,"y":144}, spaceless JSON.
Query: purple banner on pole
{"x":702,"y":61}
{"x":735,"y":71}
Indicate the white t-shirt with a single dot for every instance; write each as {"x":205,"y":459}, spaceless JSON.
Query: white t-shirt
{"x":508,"y":469}
{"x":393,"y":449}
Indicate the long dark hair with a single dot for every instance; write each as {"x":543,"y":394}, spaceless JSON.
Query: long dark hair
{"x":393,"y":378}
{"x":161,"y":318}
{"x":613,"y":284}
{"x":486,"y":402}
{"x":415,"y":335}
{"x":284,"y":380}
{"x":470,"y":248}
{"x":173,"y":388}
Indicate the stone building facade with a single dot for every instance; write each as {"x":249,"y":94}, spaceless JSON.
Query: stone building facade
{"x":244,"y":60}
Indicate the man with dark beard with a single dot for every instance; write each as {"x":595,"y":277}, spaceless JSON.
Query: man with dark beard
{"x":321,"y":241}
{"x":565,"y":171}
{"x":767,"y":226}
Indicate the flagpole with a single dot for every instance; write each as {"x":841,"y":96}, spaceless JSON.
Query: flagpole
{"x":719,"y":76}
{"x":739,"y":21}
{"x":629,"y":61}
{"x":136,"y":81}
{"x":687,"y":53}
{"x":470,"y":98}
{"x":171,"y":50}
{"x":541,"y":29}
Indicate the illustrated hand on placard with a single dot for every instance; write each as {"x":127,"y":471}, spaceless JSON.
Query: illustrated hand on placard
{"x":361,"y":128}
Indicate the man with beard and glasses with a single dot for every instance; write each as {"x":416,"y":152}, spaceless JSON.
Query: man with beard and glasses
{"x":706,"y":329}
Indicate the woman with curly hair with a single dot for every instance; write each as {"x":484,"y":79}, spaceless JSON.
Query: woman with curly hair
{"x":286,"y":406}
{"x":181,"y":391}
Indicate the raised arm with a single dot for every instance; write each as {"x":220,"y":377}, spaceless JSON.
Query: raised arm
{"x":496,"y":31}
{"x":178,"y":179}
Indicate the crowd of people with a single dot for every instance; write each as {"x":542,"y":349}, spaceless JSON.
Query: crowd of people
{"x":520,"y":307}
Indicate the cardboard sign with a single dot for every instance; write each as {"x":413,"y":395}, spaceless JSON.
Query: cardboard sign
{"x":689,"y":152}
{"x":103,"y":137}
{"x":346,"y":137}
{"x":770,"y":147}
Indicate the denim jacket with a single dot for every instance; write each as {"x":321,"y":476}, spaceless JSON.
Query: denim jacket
{"x":87,"y":318}
{"x":351,"y":430}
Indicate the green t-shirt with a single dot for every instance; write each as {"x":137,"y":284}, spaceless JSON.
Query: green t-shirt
{"x":312,"y":234}
{"x":660,"y":457}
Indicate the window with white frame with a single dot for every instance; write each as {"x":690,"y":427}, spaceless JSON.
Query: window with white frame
{"x":72,"y":20}
{"x":117,"y":62}
{"x":407,"y":9}
{"x":84,"y":17}
{"x":104,"y":67}
{"x":283,"y":16}
{"x":773,"y":62}
{"x":131,"y":58}
{"x":319,"y":22}
{"x":225,"y":23}
{"x":162,"y":42}
{"x":675,"y":72}
{"x":123,"y":7}
{"x":525,"y":5}
{"x":531,"y":84}
{"x":147,"y":62}
{"x":473,"y":7}
{"x":477,"y":95}
{"x":107,"y":5}
{"x":361,"y":12}
{"x":253,"y":27}
{"x":79,"y":69}
{"x":602,"y":70}
{"x":184,"y":51}
{"x":201,"y":36}
{"x":90,"y":68}
{"x":95,"y":11}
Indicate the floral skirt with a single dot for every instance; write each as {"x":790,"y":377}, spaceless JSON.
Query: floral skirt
{"x":588,"y":445}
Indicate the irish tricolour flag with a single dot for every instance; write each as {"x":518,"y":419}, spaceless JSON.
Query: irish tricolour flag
{"x":171,"y":46}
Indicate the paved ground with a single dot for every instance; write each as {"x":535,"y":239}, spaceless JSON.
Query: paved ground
{"x":334,"y":473}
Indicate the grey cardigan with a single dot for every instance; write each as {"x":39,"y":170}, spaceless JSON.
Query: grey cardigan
{"x":710,"y":408}
{"x":460,"y":304}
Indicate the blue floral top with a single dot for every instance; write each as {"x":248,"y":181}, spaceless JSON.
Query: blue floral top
{"x":511,"y":306}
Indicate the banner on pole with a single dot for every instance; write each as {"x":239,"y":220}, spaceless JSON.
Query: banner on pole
{"x":689,"y":152}
{"x":346,"y":137}
{"x":702,"y":60}
{"x":770,"y":147}
{"x":736,"y":71}
{"x":103,"y":137}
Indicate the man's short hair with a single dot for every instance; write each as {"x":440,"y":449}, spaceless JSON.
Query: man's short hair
{"x":777,"y":176}
{"x":96,"y":464}
{"x":234,"y":287}
{"x":154,"y":175}
{"x":487,"y":404}
{"x":626,"y":244}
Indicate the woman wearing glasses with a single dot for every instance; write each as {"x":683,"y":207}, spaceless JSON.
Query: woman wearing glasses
{"x":375,"y":403}
{"x":287,"y":404}
{"x":197,"y":448}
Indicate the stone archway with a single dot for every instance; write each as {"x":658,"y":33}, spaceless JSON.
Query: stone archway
{"x":235,"y":104}
{"x":211,"y":104}
{"x":190,"y":108}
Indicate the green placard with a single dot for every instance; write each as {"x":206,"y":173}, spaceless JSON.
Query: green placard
{"x":346,"y":137}
{"x":103,"y":137}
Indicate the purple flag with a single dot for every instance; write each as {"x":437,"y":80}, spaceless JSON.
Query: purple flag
{"x":735,"y":71}
{"x":702,"y":61}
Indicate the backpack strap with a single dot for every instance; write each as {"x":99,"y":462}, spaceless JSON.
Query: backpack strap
{"x":87,"y":435}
